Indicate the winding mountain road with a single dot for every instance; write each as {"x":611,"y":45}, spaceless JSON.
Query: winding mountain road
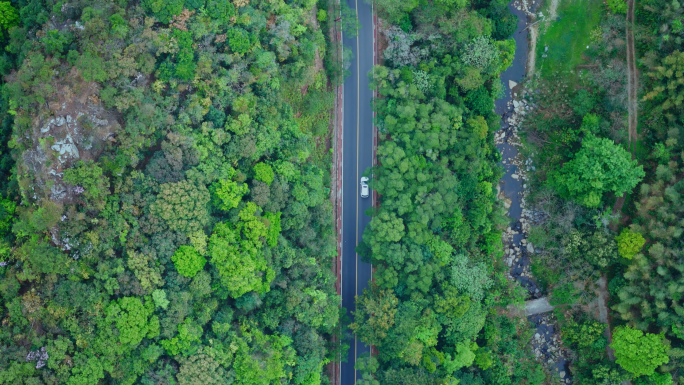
{"x":357,"y":156}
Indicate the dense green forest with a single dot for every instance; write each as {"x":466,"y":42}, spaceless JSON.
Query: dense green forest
{"x":165,"y":182}
{"x":165,"y":215}
{"x":434,"y":312}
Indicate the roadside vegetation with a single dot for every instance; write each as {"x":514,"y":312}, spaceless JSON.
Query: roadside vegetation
{"x":165,"y":193}
{"x":607,"y":216}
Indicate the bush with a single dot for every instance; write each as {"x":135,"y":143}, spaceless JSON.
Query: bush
{"x":88,"y":175}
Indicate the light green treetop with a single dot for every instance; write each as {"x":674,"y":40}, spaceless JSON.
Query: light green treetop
{"x":133,"y":319}
{"x":639,"y":353}
{"x":227,"y":194}
{"x":600,"y":166}
{"x":236,"y":251}
{"x":188,"y":261}
{"x":629,"y":243}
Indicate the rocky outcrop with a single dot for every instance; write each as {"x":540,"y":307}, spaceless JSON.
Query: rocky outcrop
{"x":73,"y":125}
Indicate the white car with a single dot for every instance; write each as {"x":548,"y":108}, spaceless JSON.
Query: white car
{"x":364,"y":187}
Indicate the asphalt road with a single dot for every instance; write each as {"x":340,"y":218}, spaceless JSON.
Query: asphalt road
{"x":357,"y":156}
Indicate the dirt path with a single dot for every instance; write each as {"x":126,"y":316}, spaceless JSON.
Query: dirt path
{"x":532,"y":54}
{"x":632,"y":88}
{"x":632,"y":80}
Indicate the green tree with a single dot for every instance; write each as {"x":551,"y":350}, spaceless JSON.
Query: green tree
{"x":236,"y":251}
{"x":261,"y":359}
{"x":134,"y":320}
{"x":227,"y":194}
{"x":159,"y":297}
{"x":629,"y":243}
{"x":220,"y":10}
{"x":239,"y":40}
{"x":617,"y":6}
{"x":87,"y":370}
{"x":600,"y":166}
{"x":9,"y":17}
{"x":189,"y":334}
{"x":188,"y":261}
{"x":204,"y":367}
{"x":92,"y":67}
{"x":639,"y":353}
{"x":374,"y":315}
{"x":395,"y":11}
{"x":143,"y":268}
{"x":668,"y":77}
{"x":264,"y":173}
{"x":182,"y":205}
{"x":88,"y":175}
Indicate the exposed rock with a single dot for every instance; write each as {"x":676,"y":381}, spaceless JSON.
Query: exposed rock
{"x":62,"y":138}
{"x":66,"y":148}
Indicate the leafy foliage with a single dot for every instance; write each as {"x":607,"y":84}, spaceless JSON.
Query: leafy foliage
{"x":227,"y":195}
{"x":182,"y":205}
{"x":264,"y":173}
{"x":185,"y":125}
{"x":235,"y":250}
{"x":599,"y":167}
{"x":188,"y":261}
{"x":9,"y":17}
{"x":638,"y":353}
{"x":133,"y":320}
{"x":629,"y":243}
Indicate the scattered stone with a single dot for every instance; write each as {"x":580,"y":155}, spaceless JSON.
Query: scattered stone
{"x":512,"y":84}
{"x":66,"y":149}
